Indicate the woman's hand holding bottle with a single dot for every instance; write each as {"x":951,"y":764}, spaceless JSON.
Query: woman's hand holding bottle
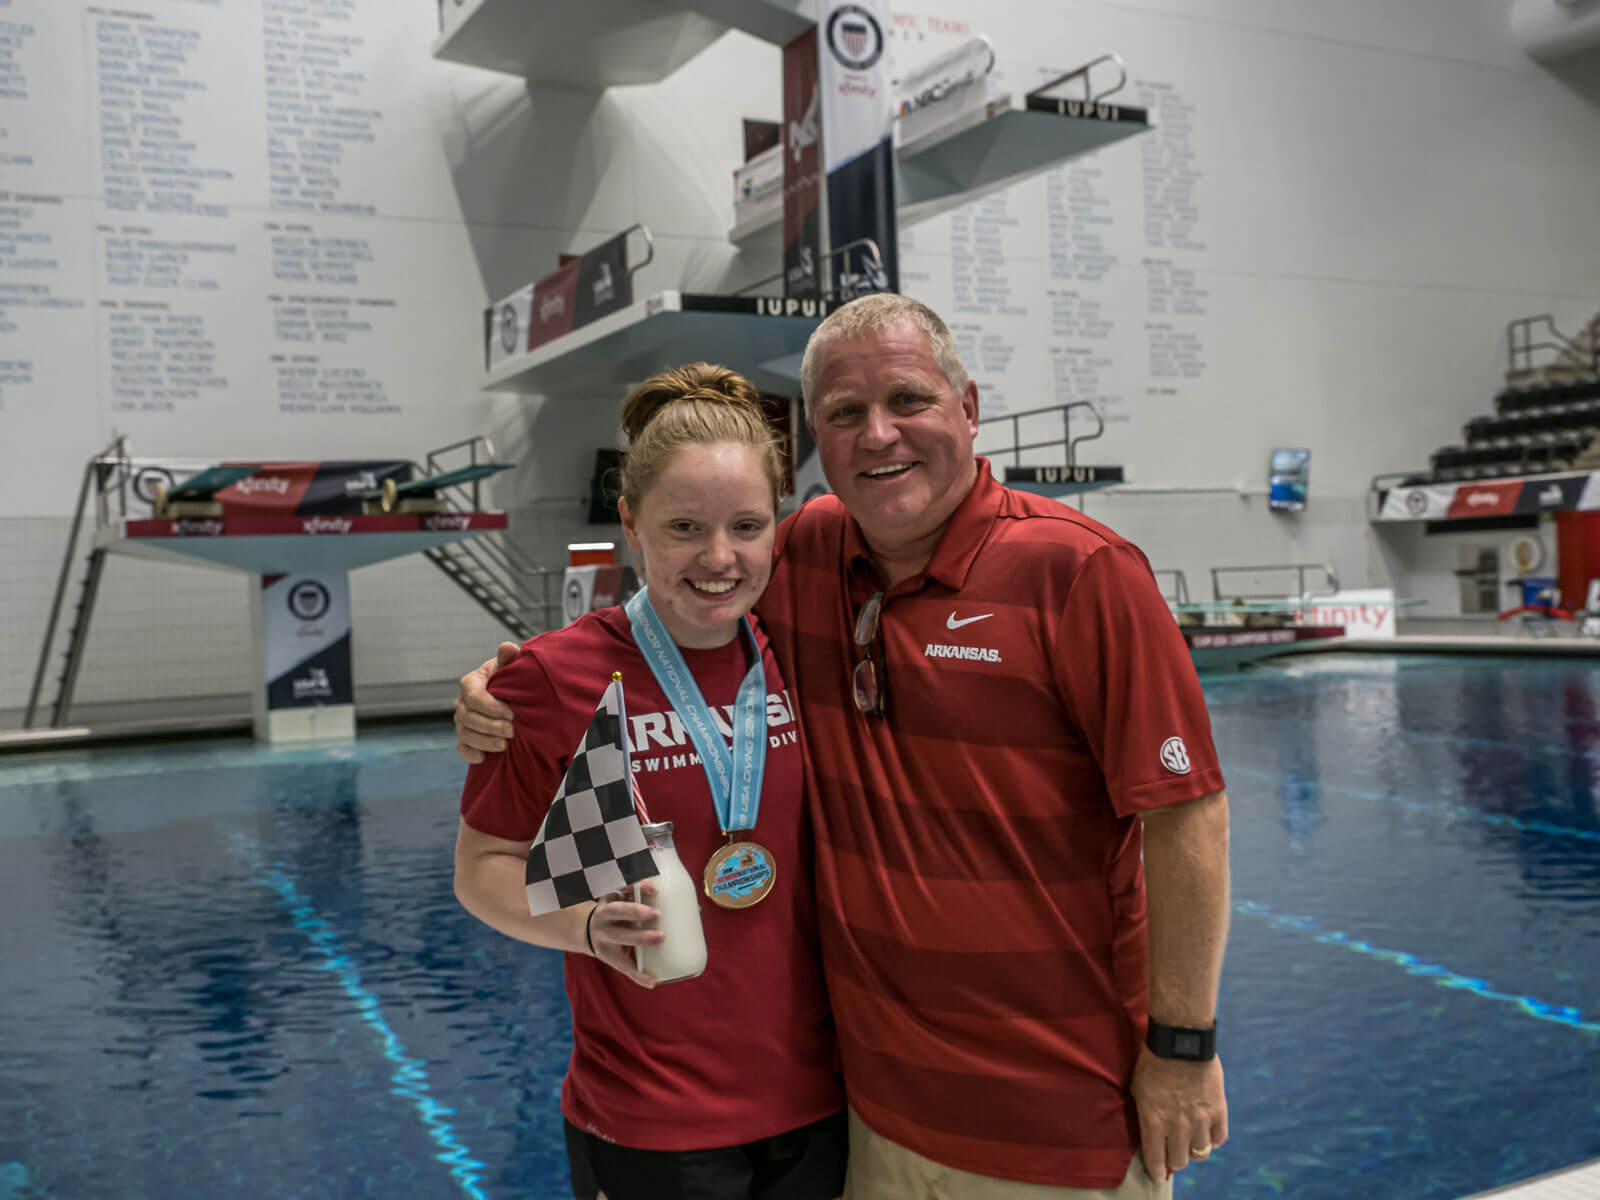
{"x":617,"y":924}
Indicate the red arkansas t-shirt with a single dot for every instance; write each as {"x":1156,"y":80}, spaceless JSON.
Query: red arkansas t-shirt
{"x":746,"y":1050}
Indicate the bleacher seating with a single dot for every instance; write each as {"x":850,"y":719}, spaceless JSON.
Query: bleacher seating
{"x":1544,"y":395}
{"x":1520,"y":454}
{"x":1541,"y":427}
{"x":1545,"y":420}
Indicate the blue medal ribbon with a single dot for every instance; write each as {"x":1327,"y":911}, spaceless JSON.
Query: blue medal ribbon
{"x":735,"y":778}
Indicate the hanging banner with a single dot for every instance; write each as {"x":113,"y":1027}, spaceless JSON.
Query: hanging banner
{"x":858,"y":144}
{"x":305,"y":633}
{"x":604,"y":285}
{"x":505,"y":327}
{"x":802,"y":169}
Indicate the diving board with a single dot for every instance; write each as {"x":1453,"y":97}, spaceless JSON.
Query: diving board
{"x":423,"y":494}
{"x":196,"y":496}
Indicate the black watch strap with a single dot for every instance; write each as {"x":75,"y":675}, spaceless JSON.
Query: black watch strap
{"x":1181,"y":1042}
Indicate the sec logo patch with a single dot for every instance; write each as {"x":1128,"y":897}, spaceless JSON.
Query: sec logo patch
{"x":1175,"y":756}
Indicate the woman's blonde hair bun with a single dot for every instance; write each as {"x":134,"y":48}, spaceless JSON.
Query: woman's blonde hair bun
{"x":696,"y":404}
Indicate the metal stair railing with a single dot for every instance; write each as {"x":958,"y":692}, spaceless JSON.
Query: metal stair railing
{"x":1180,"y":585}
{"x":113,"y":460}
{"x":1066,"y":439}
{"x":1522,"y":341}
{"x":521,"y":594}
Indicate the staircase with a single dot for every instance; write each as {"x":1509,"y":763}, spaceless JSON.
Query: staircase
{"x":520,"y":597}
{"x":98,"y":475}
{"x":503,"y":581}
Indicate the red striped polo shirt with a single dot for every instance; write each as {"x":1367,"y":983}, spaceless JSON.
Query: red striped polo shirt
{"x":979,"y":877}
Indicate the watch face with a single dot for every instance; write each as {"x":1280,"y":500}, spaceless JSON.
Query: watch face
{"x":1186,"y":1044}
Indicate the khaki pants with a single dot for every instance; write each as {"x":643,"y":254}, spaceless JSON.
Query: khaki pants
{"x":883,"y":1170}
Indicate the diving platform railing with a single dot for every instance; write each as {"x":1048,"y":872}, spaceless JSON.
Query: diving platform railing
{"x":1301,"y":570}
{"x":1066,"y":439}
{"x":113,"y":460}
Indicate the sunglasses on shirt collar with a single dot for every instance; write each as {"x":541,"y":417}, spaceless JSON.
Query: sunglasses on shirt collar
{"x":869,"y":681}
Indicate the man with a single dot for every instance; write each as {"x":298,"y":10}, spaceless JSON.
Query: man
{"x":1002,"y":721}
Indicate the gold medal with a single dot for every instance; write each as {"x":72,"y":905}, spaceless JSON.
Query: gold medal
{"x":740,"y":874}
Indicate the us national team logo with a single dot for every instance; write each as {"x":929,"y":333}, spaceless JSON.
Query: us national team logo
{"x":855,"y":37}
{"x":572,"y":600}
{"x":309,"y":600}
{"x":1175,"y":756}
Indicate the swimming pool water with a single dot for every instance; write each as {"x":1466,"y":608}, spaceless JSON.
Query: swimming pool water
{"x":239,"y":971}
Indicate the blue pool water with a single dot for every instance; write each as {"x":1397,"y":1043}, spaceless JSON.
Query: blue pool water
{"x":236,"y":971}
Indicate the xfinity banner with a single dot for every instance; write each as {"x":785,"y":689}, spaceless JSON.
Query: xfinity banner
{"x":802,"y":168}
{"x":858,"y":142}
{"x":1367,"y":613}
{"x":306,"y":629}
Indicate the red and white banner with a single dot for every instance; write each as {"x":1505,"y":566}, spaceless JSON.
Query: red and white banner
{"x":1362,"y":613}
{"x":1485,"y":500}
{"x":858,"y":144}
{"x":802,"y":168}
{"x":1578,"y":491}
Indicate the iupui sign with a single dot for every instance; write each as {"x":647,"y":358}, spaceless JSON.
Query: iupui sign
{"x":584,"y":288}
{"x":1578,"y":491}
{"x":1064,"y":476}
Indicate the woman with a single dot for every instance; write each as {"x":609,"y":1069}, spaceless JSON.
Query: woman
{"x":724,"y":1085}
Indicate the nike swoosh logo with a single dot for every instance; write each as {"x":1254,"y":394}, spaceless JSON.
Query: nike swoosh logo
{"x":952,"y":623}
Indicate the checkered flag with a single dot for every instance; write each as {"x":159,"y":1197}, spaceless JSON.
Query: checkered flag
{"x":591,"y":842}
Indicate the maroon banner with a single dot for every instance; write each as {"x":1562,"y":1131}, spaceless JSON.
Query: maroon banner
{"x":313,"y":526}
{"x":1485,"y":500}
{"x":554,"y":304}
{"x":802,"y":168}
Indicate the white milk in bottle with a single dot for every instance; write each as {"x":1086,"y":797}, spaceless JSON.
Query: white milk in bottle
{"x":683,"y":954}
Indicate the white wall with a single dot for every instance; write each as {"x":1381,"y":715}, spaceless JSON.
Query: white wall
{"x":1376,"y":188}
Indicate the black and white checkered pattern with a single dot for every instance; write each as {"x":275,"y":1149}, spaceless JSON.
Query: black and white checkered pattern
{"x":590,"y":842}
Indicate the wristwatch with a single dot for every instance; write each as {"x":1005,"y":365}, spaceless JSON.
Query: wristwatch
{"x":1181,"y":1042}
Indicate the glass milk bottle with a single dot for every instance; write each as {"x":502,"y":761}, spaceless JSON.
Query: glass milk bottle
{"x":683,"y":954}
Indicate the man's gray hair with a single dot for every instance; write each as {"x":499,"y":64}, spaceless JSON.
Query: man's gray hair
{"x":870,"y":315}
